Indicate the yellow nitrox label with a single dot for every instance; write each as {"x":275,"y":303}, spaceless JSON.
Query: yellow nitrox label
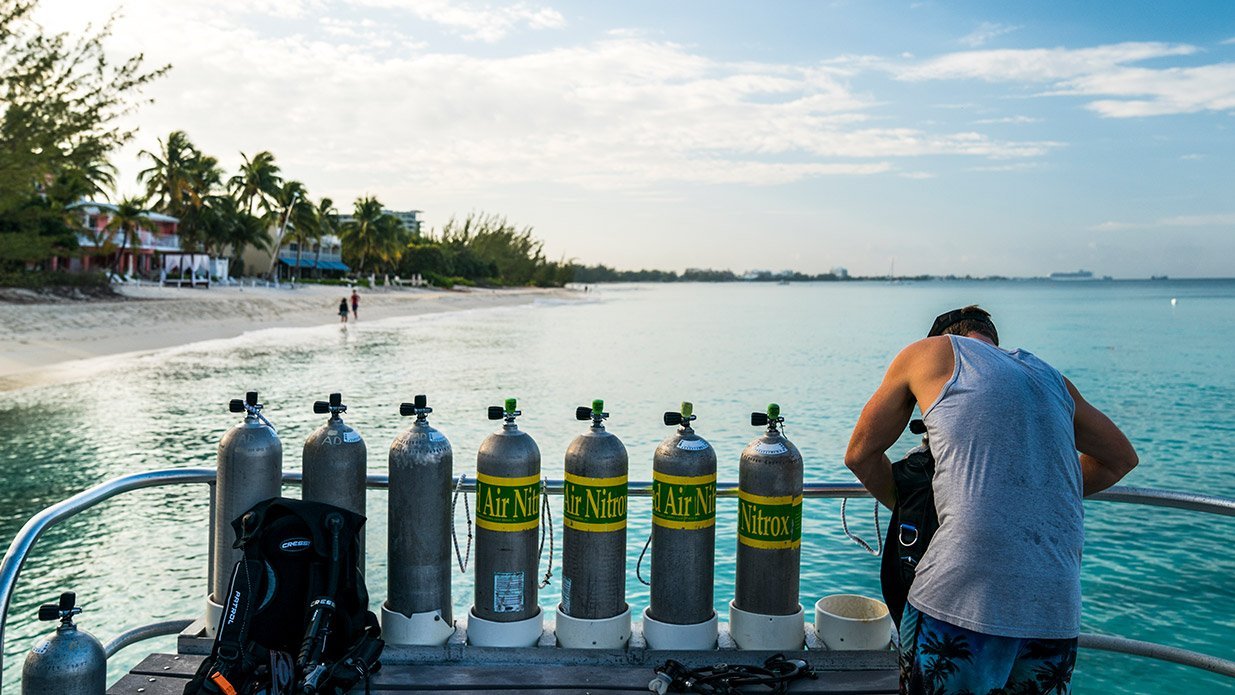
{"x":683,"y":502}
{"x":594,"y":504}
{"x":507,"y":504}
{"x":770,"y":523}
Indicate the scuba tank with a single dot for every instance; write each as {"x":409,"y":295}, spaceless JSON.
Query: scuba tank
{"x":681,"y":614}
{"x":250,"y":470}
{"x":335,"y":462}
{"x":765,"y":613}
{"x":508,"y":488}
{"x":68,"y":662}
{"x":418,"y":607}
{"x":594,"y":613}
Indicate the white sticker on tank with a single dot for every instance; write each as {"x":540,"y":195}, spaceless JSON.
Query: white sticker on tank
{"x":771,"y":449}
{"x":436,"y":436}
{"x":566,"y":595}
{"x":507,"y":592}
{"x":693,"y":444}
{"x":41,"y":647}
{"x":351,"y":437}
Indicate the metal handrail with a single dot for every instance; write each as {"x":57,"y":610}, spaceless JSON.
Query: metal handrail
{"x":15,"y":557}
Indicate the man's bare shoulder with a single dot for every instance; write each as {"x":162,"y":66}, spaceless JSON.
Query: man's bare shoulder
{"x":925,"y":358}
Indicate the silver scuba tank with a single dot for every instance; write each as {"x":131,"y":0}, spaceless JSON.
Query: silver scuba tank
{"x":68,"y":662}
{"x":683,"y":524}
{"x":421,"y":466}
{"x":250,"y":470}
{"x":594,"y":511}
{"x":335,"y":461}
{"x":769,"y":521}
{"x":507,"y":521}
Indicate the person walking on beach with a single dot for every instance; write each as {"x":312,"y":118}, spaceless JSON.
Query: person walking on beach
{"x":996,"y":600}
{"x":355,"y":303}
{"x":343,"y":310}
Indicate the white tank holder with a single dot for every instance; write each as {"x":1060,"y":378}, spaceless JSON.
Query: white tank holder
{"x":699,"y":636}
{"x":521,"y":633}
{"x":214,"y":613}
{"x":600,"y":633}
{"x":422,"y":629}
{"x":770,"y":632}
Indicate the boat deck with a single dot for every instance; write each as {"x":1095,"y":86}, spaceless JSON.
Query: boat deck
{"x":461,"y":668}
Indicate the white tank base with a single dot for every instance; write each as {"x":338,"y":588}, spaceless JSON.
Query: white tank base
{"x":757,"y":631}
{"x":425,"y":629}
{"x":521,"y":633}
{"x":672,"y":636}
{"x":600,"y":633}
{"x":214,"y":614}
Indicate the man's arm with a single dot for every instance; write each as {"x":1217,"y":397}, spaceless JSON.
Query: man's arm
{"x":880,"y":425}
{"x":1106,"y":454}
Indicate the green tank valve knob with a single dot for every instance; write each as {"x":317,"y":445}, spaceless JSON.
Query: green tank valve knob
{"x":598,"y":406}
{"x":511,"y":405}
{"x":688,"y":409}
{"x":773,"y":411}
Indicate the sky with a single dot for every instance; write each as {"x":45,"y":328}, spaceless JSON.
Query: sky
{"x":915,"y":137}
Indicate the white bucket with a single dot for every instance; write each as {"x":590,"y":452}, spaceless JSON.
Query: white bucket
{"x":850,"y":621}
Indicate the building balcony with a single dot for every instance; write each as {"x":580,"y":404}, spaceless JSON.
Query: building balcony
{"x":142,"y":241}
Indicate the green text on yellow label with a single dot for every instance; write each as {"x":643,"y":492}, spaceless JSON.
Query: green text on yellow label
{"x":507,"y":504}
{"x":769,"y":522}
{"x":594,"y":504}
{"x":683,"y":502}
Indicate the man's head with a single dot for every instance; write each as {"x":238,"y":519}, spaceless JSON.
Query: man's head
{"x":970,"y":319}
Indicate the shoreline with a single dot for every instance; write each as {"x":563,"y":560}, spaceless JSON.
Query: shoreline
{"x":53,"y":342}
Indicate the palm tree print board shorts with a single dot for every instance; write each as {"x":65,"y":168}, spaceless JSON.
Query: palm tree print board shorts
{"x":938,"y":657}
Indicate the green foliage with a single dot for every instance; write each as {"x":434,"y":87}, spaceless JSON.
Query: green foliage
{"x":60,"y":104}
{"x":482,"y":249}
{"x":373,"y":241}
{"x":43,"y":279}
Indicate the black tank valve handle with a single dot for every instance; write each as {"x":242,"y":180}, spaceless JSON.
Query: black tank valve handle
{"x":334,"y":406}
{"x":509,"y":411}
{"x":596,"y":413}
{"x":418,"y":407}
{"x":770,"y":419}
{"x":62,"y":611}
{"x":917,"y":427}
{"x":249,"y":406}
{"x":683,"y":416}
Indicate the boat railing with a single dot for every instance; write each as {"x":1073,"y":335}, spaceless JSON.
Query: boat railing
{"x":19,"y":549}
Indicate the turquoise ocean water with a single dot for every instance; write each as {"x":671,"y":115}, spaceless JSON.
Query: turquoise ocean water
{"x":1162,"y":371}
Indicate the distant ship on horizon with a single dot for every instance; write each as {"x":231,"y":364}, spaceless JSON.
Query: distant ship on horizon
{"x":1078,"y":275}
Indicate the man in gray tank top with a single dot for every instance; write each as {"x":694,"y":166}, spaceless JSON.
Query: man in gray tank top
{"x":996,"y":599}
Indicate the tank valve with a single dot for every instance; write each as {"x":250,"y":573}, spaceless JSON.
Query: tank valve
{"x":418,"y":407}
{"x":683,"y":416}
{"x":771,"y":418}
{"x":334,"y":406}
{"x":596,"y":413}
{"x":250,"y":407}
{"x":509,"y":411}
{"x":63,"y":611}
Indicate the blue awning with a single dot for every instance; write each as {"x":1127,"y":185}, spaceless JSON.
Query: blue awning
{"x":312,"y":263}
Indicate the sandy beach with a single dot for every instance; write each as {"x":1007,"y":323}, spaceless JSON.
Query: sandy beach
{"x":50,"y":341}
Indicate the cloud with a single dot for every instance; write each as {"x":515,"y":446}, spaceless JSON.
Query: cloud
{"x":1103,"y":73}
{"x":351,"y":104}
{"x":1011,"y":120}
{"x":474,"y":23}
{"x":1221,"y":219}
{"x":985,"y":32}
{"x":1036,"y":64}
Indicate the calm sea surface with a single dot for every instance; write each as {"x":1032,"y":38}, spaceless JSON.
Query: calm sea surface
{"x":1162,"y":371}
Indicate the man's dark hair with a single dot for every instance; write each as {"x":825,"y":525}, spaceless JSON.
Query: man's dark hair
{"x":962,"y":322}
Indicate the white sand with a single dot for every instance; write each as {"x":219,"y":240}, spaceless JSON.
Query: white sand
{"x":53,"y":341}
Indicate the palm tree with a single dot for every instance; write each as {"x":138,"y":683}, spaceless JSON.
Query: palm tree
{"x":258,"y":182}
{"x":327,"y":225}
{"x":126,"y":220}
{"x":173,"y":177}
{"x":295,"y":217}
{"x":373,"y":236}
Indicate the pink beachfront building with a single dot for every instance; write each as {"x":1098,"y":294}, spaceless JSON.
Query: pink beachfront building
{"x":142,"y":253}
